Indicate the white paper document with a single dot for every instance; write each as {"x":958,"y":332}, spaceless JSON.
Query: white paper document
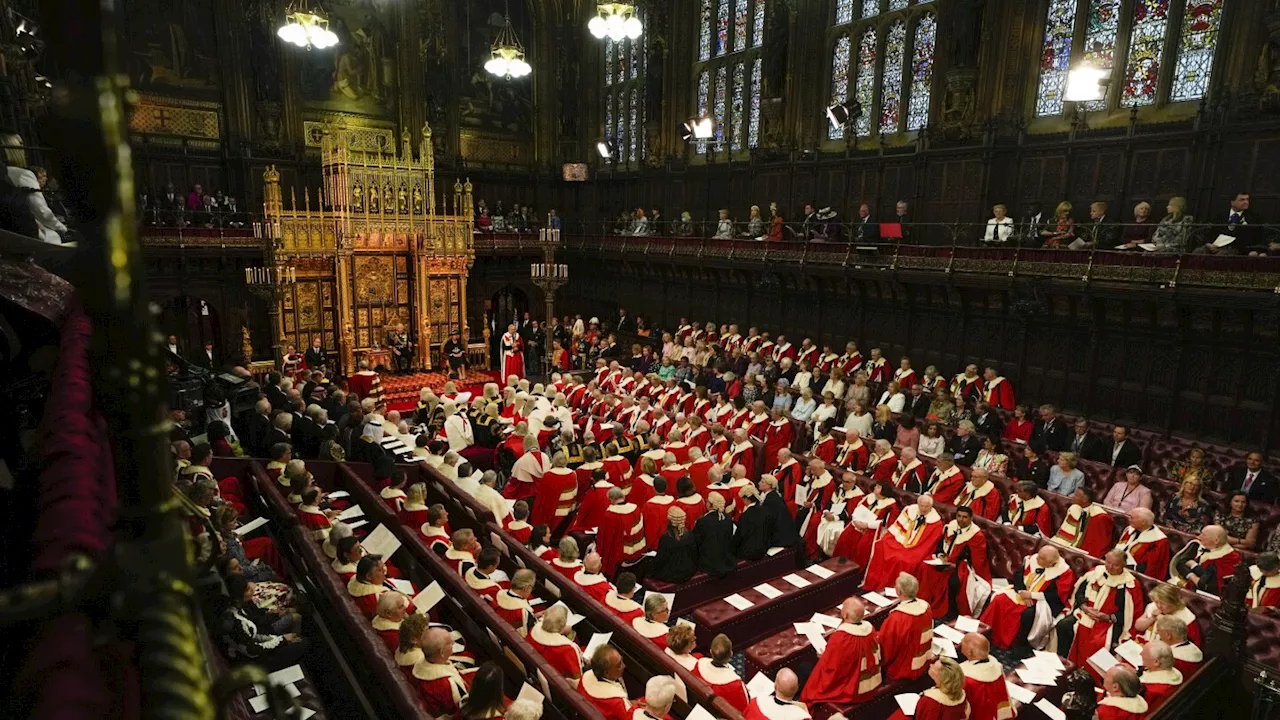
{"x":948,"y":632}
{"x":964,"y":623}
{"x":937,"y":562}
{"x":596,"y":641}
{"x":908,"y":702}
{"x":864,"y":515}
{"x":574,"y":618}
{"x":1224,"y":240}
{"x":1130,"y":652}
{"x":1051,"y":710}
{"x":1035,"y":677}
{"x":403,"y":586}
{"x":877,"y":599}
{"x":797,"y":581}
{"x":805,"y":627}
{"x":1102,"y":661}
{"x":381,"y":542}
{"x":699,"y":713}
{"x":259,"y":704}
{"x":774,"y":551}
{"x":250,"y":526}
{"x":827,"y":620}
{"x":428,"y":598}
{"x":760,"y":686}
{"x":687,"y":622}
{"x":529,"y":693}
{"x":738,"y":602}
{"x":816,"y":639}
{"x":336,"y":494}
{"x":358,"y":523}
{"x":802,"y":494}
{"x":352,"y":512}
{"x":821,"y":571}
{"x":288,"y":675}
{"x":836,"y":508}
{"x":890,"y":592}
{"x":1019,"y":693}
{"x":1049,"y":660}
{"x":671,"y":601}
{"x":943,"y":646}
{"x":767,"y":590}
{"x":305,"y":713}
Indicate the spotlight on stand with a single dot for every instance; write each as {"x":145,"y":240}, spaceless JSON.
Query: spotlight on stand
{"x":697,"y":129}
{"x":606,"y":148}
{"x":841,"y":114}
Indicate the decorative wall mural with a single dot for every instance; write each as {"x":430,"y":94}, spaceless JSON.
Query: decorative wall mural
{"x":171,"y":44}
{"x":359,"y":75}
{"x":488,"y":102}
{"x":373,"y":279}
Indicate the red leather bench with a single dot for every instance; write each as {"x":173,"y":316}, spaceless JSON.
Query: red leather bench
{"x":703,"y":588}
{"x":745,"y":627}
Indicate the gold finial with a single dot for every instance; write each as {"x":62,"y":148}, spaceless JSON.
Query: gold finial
{"x":306,"y":198}
{"x":293,"y":199}
{"x":467,"y":187}
{"x":426,"y":131}
{"x":271,"y":175}
{"x":457,"y":185}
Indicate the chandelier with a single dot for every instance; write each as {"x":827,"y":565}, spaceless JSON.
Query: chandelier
{"x":615,"y":20}
{"x":506,"y":56}
{"x":306,"y":28}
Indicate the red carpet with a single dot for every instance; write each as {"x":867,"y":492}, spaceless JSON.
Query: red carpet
{"x":402,"y":391}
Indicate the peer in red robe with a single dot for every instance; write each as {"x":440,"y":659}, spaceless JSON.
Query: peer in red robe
{"x":442,"y":686}
{"x":778,"y":436}
{"x":1087,"y":526}
{"x":1264,"y":588}
{"x":981,"y":495}
{"x":1187,"y":658}
{"x":623,"y":607}
{"x":620,"y":539}
{"x":567,"y":568}
{"x":911,"y":539}
{"x":906,"y":640}
{"x":985,"y":689}
{"x":770,"y":707}
{"x":558,"y":650}
{"x":655,"y":517}
{"x":1028,"y":512}
{"x":1046,"y":578}
{"x":388,"y":630}
{"x":1148,"y":548}
{"x":790,"y":475}
{"x":857,"y":540}
{"x":819,"y":488}
{"x":910,"y":473}
{"x":485,"y":586}
{"x":365,"y":383}
{"x":1107,"y":591}
{"x":436,"y":537}
{"x":515,"y":610}
{"x":653,"y":630}
{"x":1158,"y":685}
{"x":848,"y":671}
{"x":554,"y":496}
{"x":905,"y":375}
{"x":724,"y":680}
{"x":757,"y":424}
{"x":997,"y":391}
{"x":946,"y":482}
{"x":700,"y":474}
{"x":935,"y":705}
{"x":882,"y":465}
{"x":824,"y":447}
{"x":1116,"y":707}
{"x":591,"y":511}
{"x":1211,"y":568}
{"x":512,"y":354}
{"x":594,"y":584}
{"x":742,"y":453}
{"x":853,"y":454}
{"x":964,"y":547}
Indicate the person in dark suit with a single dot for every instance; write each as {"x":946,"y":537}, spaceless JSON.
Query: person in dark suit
{"x":1084,"y":443}
{"x":1252,"y":479}
{"x":1100,"y":233}
{"x":257,"y":426}
{"x":917,"y":402}
{"x":1050,"y":430}
{"x":275,"y":395}
{"x":206,"y":358}
{"x":1240,"y":224}
{"x":964,"y":446}
{"x":316,"y":357}
{"x":1031,"y":226}
{"x":305,"y":434}
{"x":780,"y":527}
{"x":988,"y":423}
{"x":626,"y":324}
{"x":751,"y":540}
{"x":866,"y":230}
{"x":1121,"y":452}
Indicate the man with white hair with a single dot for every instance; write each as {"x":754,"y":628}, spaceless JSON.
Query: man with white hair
{"x":440,"y":685}
{"x":1172,"y":631}
{"x":1160,"y":678}
{"x":1106,"y":600}
{"x":659,"y":694}
{"x":849,"y":669}
{"x":653,"y":624}
{"x":906,"y":636}
{"x":512,"y":603}
{"x":590,"y":579}
{"x":549,"y":638}
{"x":1011,"y":613}
{"x":1146,"y":547}
{"x":699,"y":470}
{"x":909,"y":475}
{"x":741,"y":452}
{"x":779,"y":526}
{"x":620,"y":538}
{"x":782,"y":704}
{"x":1206,"y":563}
{"x":392,"y":608}
{"x":487,"y":495}
{"x":449,"y":466}
{"x":852,"y":454}
{"x":457,"y":428}
{"x":523,"y":710}
{"x":911,"y":539}
{"x":980,"y":495}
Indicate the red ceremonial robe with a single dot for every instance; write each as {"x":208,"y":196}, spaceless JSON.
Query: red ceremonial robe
{"x":856,"y":544}
{"x":1031,"y":513}
{"x":314,"y":521}
{"x":519,"y":529}
{"x":1149,"y":550}
{"x":998,"y":393}
{"x":933,"y":705}
{"x":365,"y":384}
{"x":1158,"y":685}
{"x":655,"y":631}
{"x":778,"y":436}
{"x":515,"y":610}
{"x":482,"y":584}
{"x":906,"y":640}
{"x":688,"y":661}
{"x":591,"y":511}
{"x":1187,"y":658}
{"x":365,"y":596}
{"x":512,"y":356}
{"x":1223,"y":560}
{"x":567,"y":569}
{"x":770,"y":707}
{"x":985,"y":689}
{"x":698,"y":475}
{"x":1097,"y":535}
{"x":672,"y":474}
{"x":437,"y":538}
{"x":849,"y":669}
{"x":1122,"y":708}
{"x":641,"y":490}
{"x":945,"y":487}
{"x":966,"y":550}
{"x":757,"y":427}
{"x":824,"y":449}
{"x":625,"y":608}
{"x":618,"y":470}
{"x":853,"y":457}
{"x":413,"y":514}
{"x":553,"y":499}
{"x":1119,"y":595}
{"x":559,"y":651}
{"x":789,"y":476}
{"x":910,"y":540}
{"x":877,"y":371}
{"x":818,"y":497}
{"x":595,"y":584}
{"x":694,"y":507}
{"x":680,"y":450}
{"x":1004,"y":612}
{"x":394,"y":497}
{"x":459,"y":560}
{"x":1264,"y":590}
{"x":442,"y":687}
{"x":655,"y":519}
{"x":725,"y":682}
{"x":388,"y":630}
{"x":621,"y":538}
{"x":745,"y":455}
{"x":909,"y":477}
{"x":882,"y":468}
{"x":984,"y":501}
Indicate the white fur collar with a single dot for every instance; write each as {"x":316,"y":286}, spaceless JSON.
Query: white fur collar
{"x":363,"y":589}
{"x":984,"y":672}
{"x":915,"y":607}
{"x":1136,"y":705}
{"x":862,"y":629}
{"x":941,"y":698}
{"x":1168,"y":676}
{"x":603,"y":689}
{"x":549,"y":639}
{"x":380,"y":623}
{"x":686,"y":661}
{"x":649,"y":628}
{"x":585,"y":579}
{"x":714,"y":675}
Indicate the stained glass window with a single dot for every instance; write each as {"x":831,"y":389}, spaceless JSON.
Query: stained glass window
{"x":704,"y":91}
{"x":722,"y":81}
{"x":1146,"y":45}
{"x":1199,"y":37}
{"x":704,"y":34}
{"x":844,"y":11}
{"x":895,"y":49}
{"x":839,"y":80}
{"x":865,"y":81}
{"x":757,"y":31}
{"x":1055,"y":58}
{"x":635,"y":124}
{"x":1102,"y":27}
{"x":737,"y":131}
{"x":740,"y":25}
{"x":624,"y":113}
{"x":637,"y":56}
{"x":921,"y":72}
{"x":753,"y":132}
{"x":870,"y":8}
{"x":608,"y":62}
{"x":722,"y":28}
{"x":897,"y":4}
{"x":609,"y":130}
{"x":620,"y":139}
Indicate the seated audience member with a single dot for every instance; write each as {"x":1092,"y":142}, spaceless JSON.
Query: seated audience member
{"x":512,"y":603}
{"x":713,"y":536}
{"x":782,"y":703}
{"x":1252,"y":479}
{"x":1105,"y":601}
{"x":486,"y":698}
{"x":557,"y":490}
{"x":1083,"y":443}
{"x":479,"y":576}
{"x":540,"y":543}
{"x":964,"y":445}
{"x":463,"y":549}
{"x":1122,"y":698}
{"x":654,"y":623}
{"x":347,"y":554}
{"x":981,"y":495}
{"x":984,"y":685}
{"x":393,"y":493}
{"x":1051,"y":430}
{"x":963,"y":547}
{"x":1187,"y":511}
{"x":1195,"y":463}
{"x":680,"y":643}
{"x":946,"y":700}
{"x":946,"y":482}
{"x":659,"y":696}
{"x":392,"y":610}
{"x":1027,"y":511}
{"x":999,"y":227}
{"x":1264,"y":587}
{"x":906,"y":636}
{"x":858,"y":539}
{"x":488,"y":496}
{"x":441,"y":685}
{"x":368,"y":583}
{"x":910,"y":473}
{"x":884,"y":428}
{"x":932,"y":443}
{"x":1034,"y":468}
{"x":986,"y":423}
{"x":246,"y":640}
{"x":848,"y":671}
{"x":413,"y":513}
{"x":436,"y":529}
{"x":882,"y":462}
{"x":1238,"y":519}
{"x":717,"y":671}
{"x":852,"y":454}
{"x":1045,"y":578}
{"x":1019,"y":428}
{"x":518,"y":524}
{"x":1130,"y":493}
{"x":590,"y":579}
{"x":550,"y":638}
{"x":1187,"y":657}
{"x":1172,"y":231}
{"x":566,"y":561}
{"x":1064,"y":477}
{"x":602,"y":684}
{"x":1206,"y":563}
{"x":1120,"y":451}
{"x":1160,"y":678}
{"x":990,"y":458}
{"x":1166,"y":602}
{"x":409,"y":647}
{"x":910,"y":540}
{"x":1145,"y":546}
{"x":1087,"y":525}
{"x":620,"y":598}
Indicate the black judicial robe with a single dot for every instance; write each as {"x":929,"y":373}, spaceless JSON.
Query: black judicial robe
{"x":714,"y":534}
{"x":751,"y":542}
{"x":677,"y":560}
{"x":779,"y":525}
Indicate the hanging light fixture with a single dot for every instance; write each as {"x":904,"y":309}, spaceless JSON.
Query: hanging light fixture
{"x":506,"y":56}
{"x":616,"y":21}
{"x":306,"y":27}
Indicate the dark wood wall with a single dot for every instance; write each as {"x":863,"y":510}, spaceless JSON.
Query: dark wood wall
{"x":1186,"y":363}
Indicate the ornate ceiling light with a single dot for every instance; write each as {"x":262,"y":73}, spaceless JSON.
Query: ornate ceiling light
{"x":616,"y":21}
{"x":506,"y":56}
{"x":306,"y":27}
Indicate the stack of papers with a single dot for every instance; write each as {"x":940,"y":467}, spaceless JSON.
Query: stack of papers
{"x":1017,"y":693}
{"x":864,"y":515}
{"x":937,"y":562}
{"x":1130,"y":652}
{"x":699,"y":713}
{"x":877,"y":599}
{"x":352,"y":512}
{"x":1042,"y":668}
{"x":768,"y":590}
{"x":738,"y":602}
{"x":528,"y":693}
{"x":760,"y":686}
{"x":890,"y":592}
{"x":336,"y":494}
{"x":820,"y":571}
{"x":827,"y":620}
{"x":948,"y":633}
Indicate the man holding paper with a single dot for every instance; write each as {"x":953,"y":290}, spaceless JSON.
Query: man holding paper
{"x":1106,"y":600}
{"x":440,"y":683}
{"x":913,"y":537}
{"x":819,"y":487}
{"x":870,"y":516}
{"x":1087,"y":526}
{"x":549,"y":638}
{"x":906,"y":636}
{"x":945,"y":580}
{"x":1206,"y":563}
{"x":369,"y":582}
{"x":1160,"y":678}
{"x":1045,"y":582}
{"x":849,"y":669}
{"x":1145,"y":546}
{"x":512,"y":604}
